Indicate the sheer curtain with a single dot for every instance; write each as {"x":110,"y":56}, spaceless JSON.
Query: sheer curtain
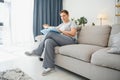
{"x":22,"y":21}
{"x":46,"y":12}
{"x":5,"y":34}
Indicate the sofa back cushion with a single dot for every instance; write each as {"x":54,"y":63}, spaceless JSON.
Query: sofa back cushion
{"x":97,"y":35}
{"x":115,"y":30}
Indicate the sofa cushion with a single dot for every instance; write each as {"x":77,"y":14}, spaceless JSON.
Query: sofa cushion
{"x":115,"y":29}
{"x":115,"y":48}
{"x":97,"y":35}
{"x":39,"y":38}
{"x":57,"y":49}
{"x":79,"y":51}
{"x":103,"y":58}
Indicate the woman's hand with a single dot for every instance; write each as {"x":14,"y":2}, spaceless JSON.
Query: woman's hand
{"x":45,"y":25}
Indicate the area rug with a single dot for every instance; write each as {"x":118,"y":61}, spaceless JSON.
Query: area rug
{"x":14,"y":74}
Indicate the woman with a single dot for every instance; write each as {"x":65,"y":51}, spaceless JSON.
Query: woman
{"x":68,"y":33}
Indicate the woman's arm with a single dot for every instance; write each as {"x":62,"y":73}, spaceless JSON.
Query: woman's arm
{"x":70,"y":33}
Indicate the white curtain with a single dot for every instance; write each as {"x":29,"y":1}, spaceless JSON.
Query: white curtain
{"x":5,"y":34}
{"x":22,"y":21}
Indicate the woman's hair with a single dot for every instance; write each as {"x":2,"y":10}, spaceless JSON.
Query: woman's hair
{"x":64,"y":11}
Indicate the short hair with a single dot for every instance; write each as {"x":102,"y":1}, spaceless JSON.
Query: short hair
{"x":64,"y":11}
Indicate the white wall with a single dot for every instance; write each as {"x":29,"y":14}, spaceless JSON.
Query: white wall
{"x":22,"y":20}
{"x":90,"y":9}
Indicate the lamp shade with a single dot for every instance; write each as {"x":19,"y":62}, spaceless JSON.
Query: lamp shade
{"x":102,"y":16}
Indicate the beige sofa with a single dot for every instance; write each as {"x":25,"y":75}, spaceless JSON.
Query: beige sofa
{"x":90,"y":58}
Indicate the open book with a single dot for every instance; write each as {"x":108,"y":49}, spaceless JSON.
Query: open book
{"x":52,"y":29}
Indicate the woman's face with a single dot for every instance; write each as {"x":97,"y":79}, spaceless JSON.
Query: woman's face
{"x":64,"y":17}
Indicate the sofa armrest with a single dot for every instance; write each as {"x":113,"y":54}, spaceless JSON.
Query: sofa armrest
{"x":39,"y":38}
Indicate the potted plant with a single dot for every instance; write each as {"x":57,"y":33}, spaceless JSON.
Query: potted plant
{"x":118,"y":1}
{"x":81,"y":21}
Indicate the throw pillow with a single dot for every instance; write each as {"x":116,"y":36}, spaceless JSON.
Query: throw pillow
{"x":52,"y":29}
{"x":115,"y":48}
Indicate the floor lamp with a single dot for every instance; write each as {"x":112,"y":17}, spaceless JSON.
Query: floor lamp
{"x":102,"y":17}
